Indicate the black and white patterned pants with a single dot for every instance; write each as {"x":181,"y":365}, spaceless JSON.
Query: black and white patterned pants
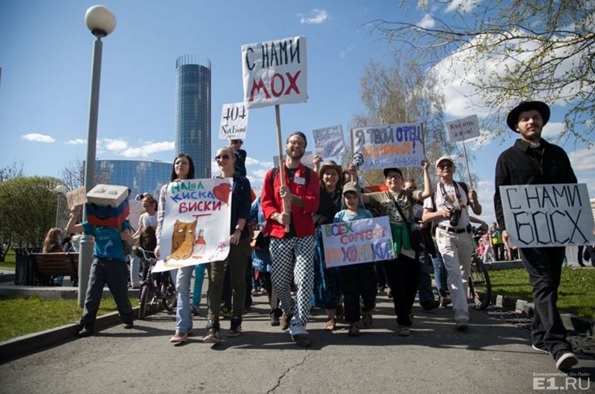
{"x":293,"y":260}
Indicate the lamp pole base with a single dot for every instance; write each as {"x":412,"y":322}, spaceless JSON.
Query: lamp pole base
{"x":85,"y":260}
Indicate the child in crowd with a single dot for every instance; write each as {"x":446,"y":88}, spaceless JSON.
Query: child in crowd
{"x":358,"y":280}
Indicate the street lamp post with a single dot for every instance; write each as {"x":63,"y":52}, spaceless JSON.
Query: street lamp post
{"x":60,"y":190}
{"x":101,"y":21}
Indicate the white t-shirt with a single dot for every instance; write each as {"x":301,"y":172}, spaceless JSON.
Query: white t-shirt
{"x":450,"y":200}
{"x":147,"y":220}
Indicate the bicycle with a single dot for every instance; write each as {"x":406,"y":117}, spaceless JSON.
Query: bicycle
{"x":155,"y":287}
{"x":480,"y":285}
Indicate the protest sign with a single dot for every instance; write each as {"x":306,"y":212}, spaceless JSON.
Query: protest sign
{"x":396,"y":145}
{"x":356,"y":242}
{"x":196,"y":223}
{"x":275,"y":72}
{"x":547,"y":215}
{"x":234,"y":122}
{"x":307,"y":159}
{"x":328,"y":142}
{"x":463,"y":129}
{"x":76,"y":197}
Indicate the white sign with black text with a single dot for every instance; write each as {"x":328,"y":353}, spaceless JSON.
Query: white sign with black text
{"x":234,"y":121}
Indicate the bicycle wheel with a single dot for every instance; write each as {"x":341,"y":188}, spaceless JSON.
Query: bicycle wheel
{"x":479,"y":284}
{"x":168,"y":289}
{"x":145,"y":300}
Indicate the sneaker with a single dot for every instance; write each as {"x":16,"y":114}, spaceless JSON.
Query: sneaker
{"x":429,"y":305}
{"x":128,"y":326}
{"x":462,"y":326}
{"x":213,"y":333}
{"x":179,"y":337}
{"x":225,"y":311}
{"x":566,"y":360}
{"x":446,"y":301}
{"x":275,"y":317}
{"x":403,"y":331}
{"x":236,"y":327}
{"x":539,"y":348}
{"x":367,"y":319}
{"x":353,"y":330}
{"x":86,"y":332}
{"x":195,"y":310}
{"x":285,"y":320}
{"x":389,"y":292}
{"x":301,"y":340}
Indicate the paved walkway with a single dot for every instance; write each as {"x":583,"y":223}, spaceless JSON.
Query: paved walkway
{"x":493,"y":357}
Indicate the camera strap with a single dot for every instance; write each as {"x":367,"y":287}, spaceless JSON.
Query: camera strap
{"x":445,"y":195}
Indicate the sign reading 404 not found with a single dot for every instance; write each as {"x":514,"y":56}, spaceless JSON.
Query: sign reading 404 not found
{"x":234,"y":121}
{"x":547,"y":215}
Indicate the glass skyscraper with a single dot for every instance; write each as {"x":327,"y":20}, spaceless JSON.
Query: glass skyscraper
{"x":141,"y":176}
{"x":193,"y":113}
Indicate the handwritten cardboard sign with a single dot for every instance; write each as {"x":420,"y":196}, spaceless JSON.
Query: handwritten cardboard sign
{"x":275,"y":72}
{"x":395,"y":145}
{"x":356,"y":242}
{"x":463,"y":129}
{"x":234,"y":121}
{"x":547,"y":215}
{"x":196,"y":223}
{"x":76,"y":197}
{"x":329,"y":142}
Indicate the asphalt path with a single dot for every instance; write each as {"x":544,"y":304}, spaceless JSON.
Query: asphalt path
{"x":492,"y":357}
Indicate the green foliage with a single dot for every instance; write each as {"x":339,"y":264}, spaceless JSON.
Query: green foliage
{"x":576,"y":292}
{"x":22,"y":316}
{"x":27,"y":209}
{"x":508,"y":51}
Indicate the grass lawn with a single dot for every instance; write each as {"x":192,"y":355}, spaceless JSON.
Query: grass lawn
{"x":10,"y":260}
{"x":575,"y":295}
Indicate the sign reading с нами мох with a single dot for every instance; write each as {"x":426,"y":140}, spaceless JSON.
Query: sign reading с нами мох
{"x":275,"y":72}
{"x":547,"y":215}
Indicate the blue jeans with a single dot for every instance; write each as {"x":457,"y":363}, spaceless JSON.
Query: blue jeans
{"x":199,"y":277}
{"x":439,"y":274}
{"x":184,"y":310}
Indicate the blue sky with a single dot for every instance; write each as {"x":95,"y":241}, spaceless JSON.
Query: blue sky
{"x":45,"y":55}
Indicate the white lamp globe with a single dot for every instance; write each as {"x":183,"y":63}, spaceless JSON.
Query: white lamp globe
{"x":100,"y":20}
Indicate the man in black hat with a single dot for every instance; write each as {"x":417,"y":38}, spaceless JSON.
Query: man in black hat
{"x":533,"y":160}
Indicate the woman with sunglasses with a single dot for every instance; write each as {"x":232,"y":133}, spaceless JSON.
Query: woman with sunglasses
{"x":182,"y":169}
{"x":239,"y":252}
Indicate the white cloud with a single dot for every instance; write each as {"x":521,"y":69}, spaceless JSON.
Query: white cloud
{"x":318,"y":17}
{"x":426,"y":22}
{"x":461,"y":5}
{"x":583,"y":160}
{"x":36,"y":137}
{"x":115,"y":145}
{"x":552,"y":130}
{"x":148,"y":149}
{"x":76,"y":141}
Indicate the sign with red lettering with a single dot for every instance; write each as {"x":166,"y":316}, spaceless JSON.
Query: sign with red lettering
{"x":358,"y":241}
{"x":547,"y":215}
{"x":196,"y":222}
{"x":384,"y":146}
{"x":274,"y":72}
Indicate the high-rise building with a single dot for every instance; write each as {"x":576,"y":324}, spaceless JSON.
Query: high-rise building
{"x":193,"y":113}
{"x":141,"y":176}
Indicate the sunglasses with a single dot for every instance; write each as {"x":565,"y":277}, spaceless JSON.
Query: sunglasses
{"x":445,"y":165}
{"x":222,"y":157}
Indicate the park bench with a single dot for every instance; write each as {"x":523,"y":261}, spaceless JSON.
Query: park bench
{"x":55,"y":264}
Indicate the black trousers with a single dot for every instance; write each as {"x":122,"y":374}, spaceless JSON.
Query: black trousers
{"x":358,"y":280}
{"x":545,"y":270}
{"x":402,"y":275}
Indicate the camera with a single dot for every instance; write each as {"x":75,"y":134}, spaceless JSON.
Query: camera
{"x":455,"y":215}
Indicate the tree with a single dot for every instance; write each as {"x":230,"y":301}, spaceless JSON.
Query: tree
{"x":73,"y":175}
{"x":6,"y":173}
{"x":403,"y":93}
{"x":28,"y":208}
{"x":509,"y":51}
{"x":13,"y":171}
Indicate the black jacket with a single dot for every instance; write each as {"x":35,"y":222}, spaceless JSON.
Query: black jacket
{"x":523,"y":165}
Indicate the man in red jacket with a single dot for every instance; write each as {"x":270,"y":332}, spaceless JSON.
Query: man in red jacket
{"x":288,"y":212}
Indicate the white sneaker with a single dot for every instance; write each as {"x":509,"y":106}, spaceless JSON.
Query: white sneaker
{"x":566,"y":361}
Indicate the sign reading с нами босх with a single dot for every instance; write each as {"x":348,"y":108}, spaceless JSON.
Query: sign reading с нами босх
{"x":547,"y":215}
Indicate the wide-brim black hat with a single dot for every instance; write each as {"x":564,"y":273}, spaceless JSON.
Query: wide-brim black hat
{"x":541,"y":107}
